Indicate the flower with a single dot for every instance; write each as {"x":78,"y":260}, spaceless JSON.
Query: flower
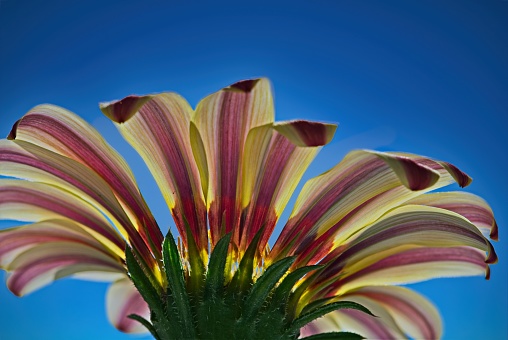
{"x":226,"y":169}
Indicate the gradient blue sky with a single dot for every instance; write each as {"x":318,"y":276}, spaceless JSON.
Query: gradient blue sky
{"x":429,"y":77}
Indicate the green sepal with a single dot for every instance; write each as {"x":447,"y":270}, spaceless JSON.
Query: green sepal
{"x":264,"y":285}
{"x":316,"y":304}
{"x":318,"y":312}
{"x":176,"y":285}
{"x":197,"y":268}
{"x":243,"y":275}
{"x":141,"y":280}
{"x":145,"y":323}
{"x":282,"y":292}
{"x":216,"y":318}
{"x":216,"y":267}
{"x":334,"y":336}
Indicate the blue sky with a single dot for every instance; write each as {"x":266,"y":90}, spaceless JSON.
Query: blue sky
{"x":428,"y":77}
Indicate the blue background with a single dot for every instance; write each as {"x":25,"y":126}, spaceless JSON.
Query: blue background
{"x":429,"y":77}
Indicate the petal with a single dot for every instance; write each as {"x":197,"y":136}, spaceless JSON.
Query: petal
{"x":40,"y":265}
{"x":401,"y":313}
{"x":418,"y":264}
{"x":224,"y":120}
{"x":275,"y":158}
{"x":356,"y":192}
{"x":33,"y":202}
{"x":398,"y":237}
{"x":381,"y":327}
{"x":416,"y":316}
{"x":63,"y":132}
{"x":472,"y":207}
{"x":14,"y":241}
{"x":160,"y":131}
{"x":122,"y":300}
{"x":28,"y":161}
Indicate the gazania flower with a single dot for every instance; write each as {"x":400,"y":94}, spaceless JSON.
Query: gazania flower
{"x":227,"y":171}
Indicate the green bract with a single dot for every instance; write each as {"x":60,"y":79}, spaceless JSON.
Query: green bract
{"x":240,"y":309}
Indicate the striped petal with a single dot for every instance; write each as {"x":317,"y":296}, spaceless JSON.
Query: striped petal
{"x":39,"y":253}
{"x":28,"y":161}
{"x":409,"y":244}
{"x":401,"y":313}
{"x":223,"y":120}
{"x":63,"y":132}
{"x":33,"y":202}
{"x":355,"y":193}
{"x":382,"y":326}
{"x":122,"y":300}
{"x":415,"y":316}
{"x":472,"y":207}
{"x":275,"y":158}
{"x":159,"y":129}
{"x":14,"y":241}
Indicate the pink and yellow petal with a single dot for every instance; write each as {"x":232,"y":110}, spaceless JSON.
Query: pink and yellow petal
{"x":63,"y":132}
{"x":28,"y":161}
{"x":416,"y":226}
{"x":472,"y":207}
{"x":418,"y":264}
{"x":223,"y":120}
{"x":400,"y":313}
{"x":159,"y":130}
{"x":122,"y":300}
{"x":380,"y":327}
{"x":42,"y":264}
{"x":416,"y":316}
{"x":14,"y":241}
{"x":399,"y":235}
{"x":355,"y":193}
{"x":275,"y":158}
{"x":33,"y":202}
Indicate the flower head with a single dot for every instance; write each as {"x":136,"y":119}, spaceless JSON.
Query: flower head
{"x":227,"y":171}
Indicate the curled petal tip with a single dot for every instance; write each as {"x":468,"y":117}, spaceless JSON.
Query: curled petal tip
{"x":122,"y":110}
{"x":492,"y":256}
{"x":461,"y":177}
{"x":494,"y":232}
{"x":413,"y":175}
{"x":305,"y":133}
{"x":244,"y":85}
{"x":487,"y":273}
{"x":12,"y":134}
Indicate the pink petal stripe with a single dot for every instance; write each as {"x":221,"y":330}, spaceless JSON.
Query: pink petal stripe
{"x":65,"y":133}
{"x":160,"y":132}
{"x":223,"y":120}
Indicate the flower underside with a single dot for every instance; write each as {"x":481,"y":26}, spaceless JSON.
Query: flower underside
{"x":227,"y":170}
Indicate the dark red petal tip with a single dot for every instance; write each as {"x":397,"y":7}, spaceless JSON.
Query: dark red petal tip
{"x":12,"y":134}
{"x":492,"y":256}
{"x":460,"y":177}
{"x":494,"y":232}
{"x":245,"y":85}
{"x":122,"y":110}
